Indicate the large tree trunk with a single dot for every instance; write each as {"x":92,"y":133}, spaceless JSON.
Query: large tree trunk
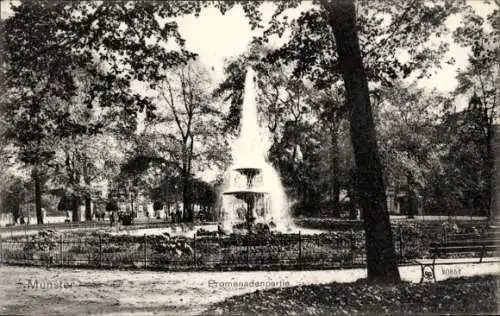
{"x":88,"y":197}
{"x":494,"y":205}
{"x":38,"y":196}
{"x":15,"y":206}
{"x":335,"y":199}
{"x":88,"y":208}
{"x":75,"y":208}
{"x":186,"y":198}
{"x":15,"y":214}
{"x":353,"y":203}
{"x":490,"y":168}
{"x":381,"y":256}
{"x":187,"y":192}
{"x":335,"y":175}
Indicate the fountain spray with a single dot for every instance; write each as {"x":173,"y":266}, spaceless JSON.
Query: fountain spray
{"x":252,"y":183}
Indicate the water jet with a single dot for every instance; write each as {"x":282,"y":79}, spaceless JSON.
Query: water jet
{"x":252,"y":180}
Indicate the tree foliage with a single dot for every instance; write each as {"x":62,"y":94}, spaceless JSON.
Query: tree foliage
{"x":193,"y":124}
{"x":407,"y":126}
{"x":116,"y":44}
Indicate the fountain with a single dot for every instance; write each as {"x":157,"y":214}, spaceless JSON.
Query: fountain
{"x":252,"y":179}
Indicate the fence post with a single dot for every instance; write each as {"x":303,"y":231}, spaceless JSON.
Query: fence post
{"x":300,"y":250}
{"x":145,"y":252}
{"x":194,"y":249}
{"x":1,"y":248}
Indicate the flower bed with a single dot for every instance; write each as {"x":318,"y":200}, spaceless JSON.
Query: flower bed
{"x":98,"y":249}
{"x":329,"y":223}
{"x":265,"y":250}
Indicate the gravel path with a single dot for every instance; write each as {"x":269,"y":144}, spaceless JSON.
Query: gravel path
{"x":76,"y":292}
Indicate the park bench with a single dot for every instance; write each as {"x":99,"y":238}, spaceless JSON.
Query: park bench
{"x":477,"y":246}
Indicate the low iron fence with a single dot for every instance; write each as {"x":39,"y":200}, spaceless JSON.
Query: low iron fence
{"x":282,"y":251}
{"x":212,"y":252}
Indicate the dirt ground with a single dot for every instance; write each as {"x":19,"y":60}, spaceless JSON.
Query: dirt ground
{"x":77,"y":292}
{"x":25,"y":290}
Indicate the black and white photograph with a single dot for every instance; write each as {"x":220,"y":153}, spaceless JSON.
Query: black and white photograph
{"x":288,"y":157}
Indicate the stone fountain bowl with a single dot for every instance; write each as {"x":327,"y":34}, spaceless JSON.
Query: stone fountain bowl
{"x":249,"y":191}
{"x":247,"y":171}
{"x":246,"y":194}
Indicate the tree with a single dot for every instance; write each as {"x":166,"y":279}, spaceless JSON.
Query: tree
{"x":82,"y":166}
{"x":46,"y":41}
{"x":84,"y":159}
{"x":326,"y":41}
{"x":381,"y":256}
{"x":388,"y":33}
{"x":331,"y":113}
{"x":196,"y":138}
{"x":33,"y":77}
{"x":463,"y":184}
{"x":12,"y":195}
{"x":480,"y":80}
{"x":407,"y":121}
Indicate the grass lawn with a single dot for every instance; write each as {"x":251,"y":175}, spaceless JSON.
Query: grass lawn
{"x":465,"y":296}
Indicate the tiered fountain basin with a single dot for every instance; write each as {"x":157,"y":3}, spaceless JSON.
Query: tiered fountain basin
{"x":251,"y":195}
{"x":245,"y":194}
{"x":248,"y":171}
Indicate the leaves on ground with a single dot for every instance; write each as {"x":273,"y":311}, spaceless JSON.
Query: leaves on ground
{"x":468,"y":296}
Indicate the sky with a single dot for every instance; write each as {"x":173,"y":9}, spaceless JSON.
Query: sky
{"x":216,"y":37}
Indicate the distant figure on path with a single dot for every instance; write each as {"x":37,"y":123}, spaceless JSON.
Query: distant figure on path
{"x":21,"y":217}
{"x":178,"y":216}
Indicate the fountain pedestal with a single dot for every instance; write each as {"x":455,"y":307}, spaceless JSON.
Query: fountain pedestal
{"x":249,"y":195}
